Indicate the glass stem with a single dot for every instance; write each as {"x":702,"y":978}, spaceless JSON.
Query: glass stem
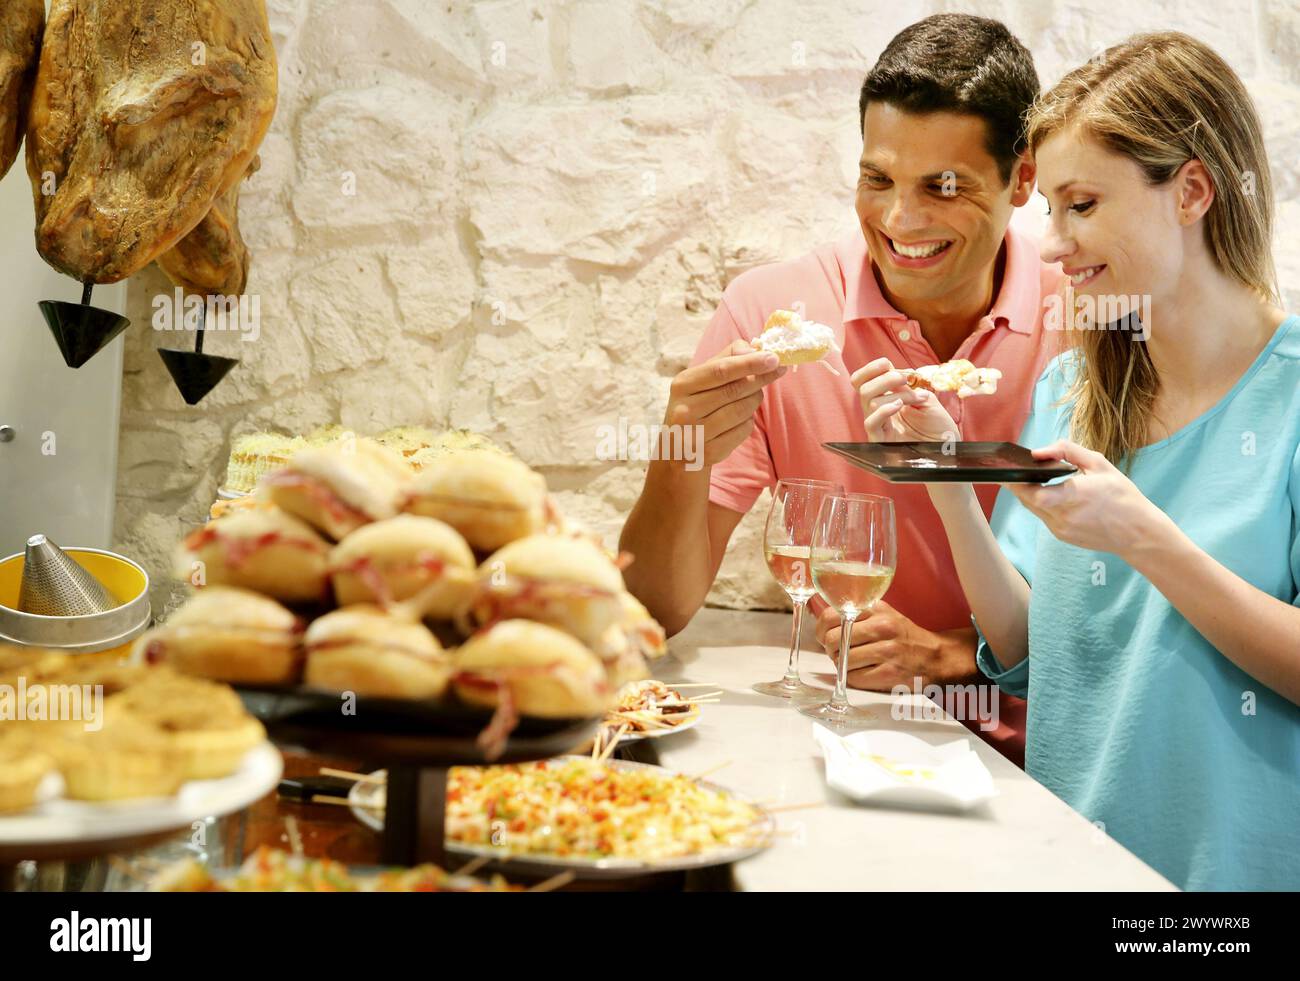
{"x":791,"y":679}
{"x":840,"y":696}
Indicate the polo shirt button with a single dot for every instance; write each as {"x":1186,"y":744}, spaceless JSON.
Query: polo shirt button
{"x":904,"y":334}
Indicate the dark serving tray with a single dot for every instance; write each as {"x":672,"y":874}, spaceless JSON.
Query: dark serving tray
{"x":420,"y":732}
{"x":962,"y":462}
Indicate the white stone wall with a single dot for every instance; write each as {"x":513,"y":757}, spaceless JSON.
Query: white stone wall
{"x":550,"y":196}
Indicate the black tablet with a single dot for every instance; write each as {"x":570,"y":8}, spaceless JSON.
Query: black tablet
{"x":961,"y":462}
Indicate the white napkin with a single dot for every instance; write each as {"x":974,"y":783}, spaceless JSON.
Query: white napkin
{"x":881,"y":766}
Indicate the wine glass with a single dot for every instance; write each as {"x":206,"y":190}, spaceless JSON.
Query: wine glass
{"x":854,"y":554}
{"x":787,"y":547}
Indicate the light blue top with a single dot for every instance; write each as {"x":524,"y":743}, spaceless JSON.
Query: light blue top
{"x":1134,"y":719}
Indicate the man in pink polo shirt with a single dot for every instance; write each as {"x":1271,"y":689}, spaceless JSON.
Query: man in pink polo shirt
{"x":933,"y":274}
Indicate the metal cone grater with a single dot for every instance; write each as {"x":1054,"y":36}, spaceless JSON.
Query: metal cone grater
{"x":55,"y":586}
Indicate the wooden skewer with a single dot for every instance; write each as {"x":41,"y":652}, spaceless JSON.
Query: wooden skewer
{"x":613,"y":743}
{"x":661,"y":708}
{"x":131,"y":869}
{"x":554,"y":882}
{"x":472,"y":866}
{"x":646,"y":718}
{"x":692,"y":684}
{"x":707,"y":695}
{"x":794,"y":807}
{"x":326,"y":799}
{"x":329,"y":771}
{"x":623,"y":730}
{"x":295,"y":839}
{"x":664,"y":717}
{"x":711,"y":770}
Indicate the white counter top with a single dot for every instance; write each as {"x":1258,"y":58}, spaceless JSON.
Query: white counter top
{"x":1026,"y":838}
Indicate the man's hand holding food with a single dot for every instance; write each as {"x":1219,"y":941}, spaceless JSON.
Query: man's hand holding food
{"x":722,"y":395}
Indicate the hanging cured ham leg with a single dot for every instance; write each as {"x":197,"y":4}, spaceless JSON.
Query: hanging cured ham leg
{"x":213,"y":257}
{"x":144,"y":113}
{"x":211,"y":260}
{"x":20,"y":45}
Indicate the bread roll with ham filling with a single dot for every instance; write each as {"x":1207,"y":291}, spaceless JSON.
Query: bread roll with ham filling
{"x":402,"y":557}
{"x":340,"y":487}
{"x":540,"y":670}
{"x":490,"y":498}
{"x":263,"y":549}
{"x":228,"y":634}
{"x":644,"y":630}
{"x":568,"y":583}
{"x":627,"y":646}
{"x":364,"y":650}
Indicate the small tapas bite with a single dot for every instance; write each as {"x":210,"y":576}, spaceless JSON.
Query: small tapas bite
{"x":649,"y":709}
{"x":959,"y":376}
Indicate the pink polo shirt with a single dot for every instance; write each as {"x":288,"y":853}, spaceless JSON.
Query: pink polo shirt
{"x":836,"y":286}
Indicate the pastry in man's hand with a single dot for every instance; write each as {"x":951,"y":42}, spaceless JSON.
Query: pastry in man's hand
{"x":958,"y":376}
{"x":794,"y":340}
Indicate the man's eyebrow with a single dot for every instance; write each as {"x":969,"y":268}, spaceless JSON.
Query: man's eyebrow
{"x":1060,"y":188}
{"x":937,"y":176}
{"x":949,"y":174}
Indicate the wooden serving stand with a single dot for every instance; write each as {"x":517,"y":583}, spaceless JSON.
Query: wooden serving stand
{"x":416,"y":742}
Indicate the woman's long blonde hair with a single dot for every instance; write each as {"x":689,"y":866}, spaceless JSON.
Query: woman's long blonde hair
{"x":1161,"y":100}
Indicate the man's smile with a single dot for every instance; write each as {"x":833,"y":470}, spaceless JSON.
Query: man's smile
{"x":920,"y":254}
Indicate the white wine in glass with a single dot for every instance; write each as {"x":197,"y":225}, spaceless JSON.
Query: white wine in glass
{"x":848,"y":585}
{"x":854,"y":555}
{"x":787,"y":547}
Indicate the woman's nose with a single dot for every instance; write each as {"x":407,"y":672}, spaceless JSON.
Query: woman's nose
{"x":1055,"y":246}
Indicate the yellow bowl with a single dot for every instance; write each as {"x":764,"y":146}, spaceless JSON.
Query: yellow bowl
{"x":108,"y":634}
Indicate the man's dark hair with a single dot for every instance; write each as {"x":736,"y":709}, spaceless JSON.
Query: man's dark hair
{"x":959,"y":63}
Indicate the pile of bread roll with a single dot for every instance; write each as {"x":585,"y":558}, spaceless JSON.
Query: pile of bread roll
{"x":348,"y":572}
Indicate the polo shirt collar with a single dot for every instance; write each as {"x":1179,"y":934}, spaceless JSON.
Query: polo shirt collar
{"x":1016,"y":305}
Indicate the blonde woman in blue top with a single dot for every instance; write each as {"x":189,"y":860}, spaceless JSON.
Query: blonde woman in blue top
{"x":1148,"y":605}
